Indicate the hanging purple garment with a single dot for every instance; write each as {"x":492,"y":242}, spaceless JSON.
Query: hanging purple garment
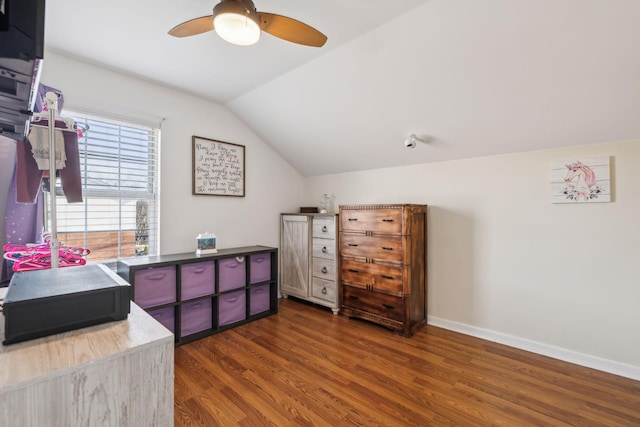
{"x":42,"y":92}
{"x":23,"y":222}
{"x":28,"y":176}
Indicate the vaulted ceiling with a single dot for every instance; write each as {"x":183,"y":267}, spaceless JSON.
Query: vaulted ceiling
{"x":471,"y":78}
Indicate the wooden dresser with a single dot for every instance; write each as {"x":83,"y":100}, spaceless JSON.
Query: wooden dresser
{"x":383,"y":264}
{"x":308,"y":258}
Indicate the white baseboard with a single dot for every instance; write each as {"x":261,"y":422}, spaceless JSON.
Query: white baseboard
{"x":610,"y":366}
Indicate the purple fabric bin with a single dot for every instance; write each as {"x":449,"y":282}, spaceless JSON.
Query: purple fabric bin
{"x":232,"y":273}
{"x":260,"y":267}
{"x":165,"y":316}
{"x":260,"y":299}
{"x":195,"y":316}
{"x":197,"y":279}
{"x":232,"y":307}
{"x":155,"y":286}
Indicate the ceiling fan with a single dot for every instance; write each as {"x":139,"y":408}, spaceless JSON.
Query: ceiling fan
{"x":238,"y":22}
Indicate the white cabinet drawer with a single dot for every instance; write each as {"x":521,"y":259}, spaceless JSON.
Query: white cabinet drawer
{"x":323,"y":248}
{"x":324,"y":289}
{"x":324,"y":228}
{"x":324,"y":268}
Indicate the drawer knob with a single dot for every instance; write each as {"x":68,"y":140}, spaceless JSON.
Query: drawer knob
{"x":352,"y":244}
{"x":353,"y":271}
{"x":324,"y":228}
{"x":390,"y":307}
{"x":324,"y":290}
{"x":387,"y":277}
{"x":353,"y":219}
{"x":387,"y":248}
{"x":324,"y":270}
{"x":387,"y":220}
{"x":324,"y":249}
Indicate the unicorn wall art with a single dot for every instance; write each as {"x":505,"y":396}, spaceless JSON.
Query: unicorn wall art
{"x":583,"y":181}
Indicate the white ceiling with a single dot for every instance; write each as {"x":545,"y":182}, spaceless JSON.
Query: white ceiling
{"x":473,"y":77}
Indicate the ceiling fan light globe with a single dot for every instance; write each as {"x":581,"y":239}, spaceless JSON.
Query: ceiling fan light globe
{"x":237,"y":22}
{"x":237,"y":29}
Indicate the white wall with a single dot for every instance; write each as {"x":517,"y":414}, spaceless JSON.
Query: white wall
{"x":272,"y":185}
{"x":506,"y":264}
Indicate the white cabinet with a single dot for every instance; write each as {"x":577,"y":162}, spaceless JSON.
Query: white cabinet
{"x":308,"y":260}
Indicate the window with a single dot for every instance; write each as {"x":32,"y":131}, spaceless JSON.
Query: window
{"x":118,"y":217}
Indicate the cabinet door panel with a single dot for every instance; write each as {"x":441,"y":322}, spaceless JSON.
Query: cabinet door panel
{"x":383,"y":221}
{"x":388,"y":248}
{"x":294,"y":255}
{"x":384,"y":305}
{"x":384,"y":277}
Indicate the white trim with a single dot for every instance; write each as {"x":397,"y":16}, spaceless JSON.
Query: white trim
{"x":102,"y":110}
{"x":606,"y":365}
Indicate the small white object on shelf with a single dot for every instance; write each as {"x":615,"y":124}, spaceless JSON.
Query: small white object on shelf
{"x":206,"y":244}
{"x":324,"y":204}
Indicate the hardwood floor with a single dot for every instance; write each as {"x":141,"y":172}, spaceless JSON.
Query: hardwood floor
{"x":307,"y":367}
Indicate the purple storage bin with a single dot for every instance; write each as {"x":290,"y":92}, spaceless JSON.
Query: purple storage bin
{"x":197,"y":279}
{"x":155,"y":286}
{"x":195,"y":316}
{"x":232,"y":273}
{"x":260,"y":299}
{"x":260,"y":266}
{"x":232,"y":307}
{"x":165,"y":316}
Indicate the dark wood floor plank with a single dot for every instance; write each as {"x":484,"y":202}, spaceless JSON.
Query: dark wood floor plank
{"x":305,"y":366}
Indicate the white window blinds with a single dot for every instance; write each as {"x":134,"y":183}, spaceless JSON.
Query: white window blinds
{"x":119,"y":215}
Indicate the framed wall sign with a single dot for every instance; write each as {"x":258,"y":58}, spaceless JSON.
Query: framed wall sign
{"x":581,"y":181}
{"x":218,"y":168}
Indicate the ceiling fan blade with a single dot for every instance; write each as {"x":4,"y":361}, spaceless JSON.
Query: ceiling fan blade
{"x":291,"y":30}
{"x":193,"y":27}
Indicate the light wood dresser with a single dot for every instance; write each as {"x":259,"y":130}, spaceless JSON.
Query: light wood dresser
{"x":113,"y":374}
{"x":383,"y":264}
{"x":308,"y":256}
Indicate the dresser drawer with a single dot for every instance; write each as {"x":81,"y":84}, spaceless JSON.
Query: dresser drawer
{"x":260,"y":268}
{"x":388,"y":248}
{"x":232,"y":307}
{"x":195,"y":317}
{"x":155,"y":286}
{"x":324,"y":289}
{"x":232,"y":273}
{"x":259,"y":299}
{"x":383,"y":277}
{"x":197,"y":279}
{"x":166,"y":316}
{"x":383,"y":221}
{"x":324,"y":268}
{"x":381,"y":304}
{"x":324,"y":227}
{"x":324,"y":248}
